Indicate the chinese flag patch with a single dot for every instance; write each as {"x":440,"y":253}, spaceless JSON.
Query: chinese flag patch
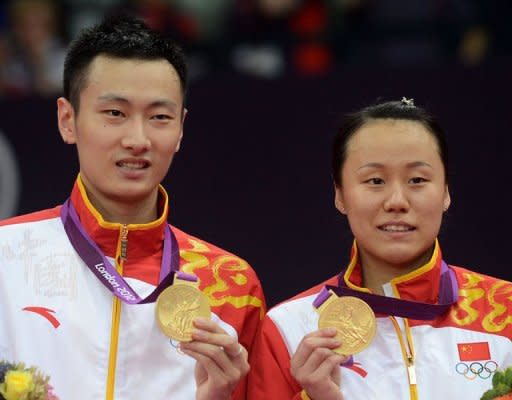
{"x":476,"y":351}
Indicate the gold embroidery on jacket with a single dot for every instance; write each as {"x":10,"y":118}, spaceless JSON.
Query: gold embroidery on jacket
{"x":234,"y":266}
{"x":491,"y":321}
{"x":470,"y":292}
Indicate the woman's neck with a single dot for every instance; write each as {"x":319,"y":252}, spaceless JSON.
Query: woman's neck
{"x":377,"y":273}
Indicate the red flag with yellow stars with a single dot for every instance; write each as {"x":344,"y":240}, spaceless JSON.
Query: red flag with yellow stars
{"x":475,"y":351}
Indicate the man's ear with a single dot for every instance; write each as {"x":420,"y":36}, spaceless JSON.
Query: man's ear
{"x":338,"y":200}
{"x":66,"y":120}
{"x":185,"y":112}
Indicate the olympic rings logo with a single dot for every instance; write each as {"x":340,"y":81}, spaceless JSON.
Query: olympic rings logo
{"x":471,"y":371}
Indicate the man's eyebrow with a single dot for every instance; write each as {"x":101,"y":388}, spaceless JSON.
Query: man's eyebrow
{"x":156,"y":103}
{"x":113,"y":97}
{"x":163,"y":103}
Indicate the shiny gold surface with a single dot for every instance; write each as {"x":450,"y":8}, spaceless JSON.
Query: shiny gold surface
{"x":353,"y":319}
{"x":176,"y":308}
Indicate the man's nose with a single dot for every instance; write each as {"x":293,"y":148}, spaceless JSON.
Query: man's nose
{"x":136,"y":138}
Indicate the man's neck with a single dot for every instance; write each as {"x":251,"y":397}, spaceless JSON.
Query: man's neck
{"x":127,"y":212}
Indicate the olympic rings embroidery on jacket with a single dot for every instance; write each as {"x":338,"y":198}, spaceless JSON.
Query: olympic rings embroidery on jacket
{"x":471,"y":371}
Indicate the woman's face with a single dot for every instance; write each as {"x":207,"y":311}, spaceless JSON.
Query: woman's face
{"x":393,"y":192}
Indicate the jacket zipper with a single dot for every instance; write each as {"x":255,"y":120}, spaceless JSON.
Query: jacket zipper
{"x":124,"y":241}
{"x":116,"y":315}
{"x":408,"y":355}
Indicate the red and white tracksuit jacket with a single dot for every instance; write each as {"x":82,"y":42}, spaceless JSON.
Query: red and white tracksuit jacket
{"x":453,"y":357}
{"x":57,"y":316}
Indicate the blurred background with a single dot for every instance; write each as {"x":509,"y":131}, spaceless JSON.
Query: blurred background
{"x":269,"y":81}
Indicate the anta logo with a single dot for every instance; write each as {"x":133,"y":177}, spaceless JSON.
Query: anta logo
{"x":475,"y":361}
{"x":45,"y":313}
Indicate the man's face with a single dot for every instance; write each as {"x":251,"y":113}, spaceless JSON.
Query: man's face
{"x":129,"y":126}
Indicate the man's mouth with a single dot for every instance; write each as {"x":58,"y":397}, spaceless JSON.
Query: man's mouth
{"x":133,"y":164}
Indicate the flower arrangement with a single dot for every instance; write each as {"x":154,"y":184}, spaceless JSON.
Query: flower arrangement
{"x":18,"y":382}
{"x":501,"y":386}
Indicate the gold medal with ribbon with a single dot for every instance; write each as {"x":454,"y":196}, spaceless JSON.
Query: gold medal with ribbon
{"x":178,"y":305}
{"x":353,"y":319}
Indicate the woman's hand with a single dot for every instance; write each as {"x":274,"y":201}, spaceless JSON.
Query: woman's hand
{"x":316,"y":367}
{"x":221,"y":360}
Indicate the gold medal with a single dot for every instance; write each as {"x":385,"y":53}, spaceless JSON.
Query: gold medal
{"x":353,"y":319}
{"x":177,"y":306}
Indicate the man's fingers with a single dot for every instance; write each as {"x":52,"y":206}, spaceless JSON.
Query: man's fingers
{"x":223,"y":340}
{"x":207,"y":331}
{"x":209,"y":353}
{"x":218,"y":352}
{"x":207,"y":325}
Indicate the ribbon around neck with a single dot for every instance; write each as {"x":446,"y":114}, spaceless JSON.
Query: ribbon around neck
{"x":448,"y":295}
{"x":103,"y":269}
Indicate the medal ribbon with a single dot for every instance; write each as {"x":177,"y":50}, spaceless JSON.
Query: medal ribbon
{"x":448,"y":295}
{"x":96,"y":261}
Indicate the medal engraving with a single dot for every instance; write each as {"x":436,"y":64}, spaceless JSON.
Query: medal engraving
{"x":353,"y":319}
{"x":176,"y":308}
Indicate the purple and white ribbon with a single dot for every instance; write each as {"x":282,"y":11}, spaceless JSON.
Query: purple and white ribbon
{"x":448,"y":295}
{"x":98,"y":263}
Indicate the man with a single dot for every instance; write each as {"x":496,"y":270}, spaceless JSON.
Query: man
{"x":77,"y":281}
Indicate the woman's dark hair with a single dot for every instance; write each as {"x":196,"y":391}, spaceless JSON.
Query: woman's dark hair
{"x":404,"y":109}
{"x":120,"y":36}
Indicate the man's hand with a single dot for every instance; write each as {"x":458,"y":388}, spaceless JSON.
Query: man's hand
{"x":221,"y":360}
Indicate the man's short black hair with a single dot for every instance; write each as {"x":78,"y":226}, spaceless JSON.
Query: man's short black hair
{"x":121,"y":36}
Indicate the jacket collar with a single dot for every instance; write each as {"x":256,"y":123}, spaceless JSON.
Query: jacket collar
{"x":143,"y":239}
{"x":421,"y":284}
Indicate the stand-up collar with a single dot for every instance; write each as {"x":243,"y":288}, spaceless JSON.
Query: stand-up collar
{"x":422,"y":284}
{"x":143,"y":239}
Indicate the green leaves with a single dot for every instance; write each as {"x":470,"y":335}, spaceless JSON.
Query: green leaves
{"x":499,"y":377}
{"x":489,"y":395}
{"x":501,"y":385}
{"x":508,"y":377}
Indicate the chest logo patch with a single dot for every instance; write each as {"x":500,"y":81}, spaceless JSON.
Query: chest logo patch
{"x":45,"y":313}
{"x":475,"y":361}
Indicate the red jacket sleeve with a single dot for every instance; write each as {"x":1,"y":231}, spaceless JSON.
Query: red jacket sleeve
{"x":270,"y":377}
{"x":250,"y":319}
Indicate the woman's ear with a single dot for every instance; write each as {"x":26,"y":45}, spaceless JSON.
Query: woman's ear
{"x":66,"y":120}
{"x":338,"y":200}
{"x":447,"y":199}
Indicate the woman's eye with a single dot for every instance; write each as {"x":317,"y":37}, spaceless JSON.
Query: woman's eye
{"x":375,"y":181}
{"x":162,"y":117}
{"x":418,"y":180}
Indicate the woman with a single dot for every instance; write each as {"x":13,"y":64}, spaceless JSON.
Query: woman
{"x":441,"y":331}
